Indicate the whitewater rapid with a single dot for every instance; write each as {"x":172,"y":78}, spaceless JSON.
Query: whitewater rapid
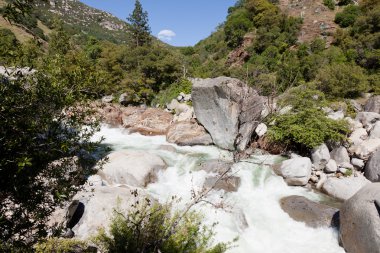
{"x":253,"y":213}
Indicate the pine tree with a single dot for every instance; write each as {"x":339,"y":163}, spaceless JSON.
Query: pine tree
{"x":139,"y":27}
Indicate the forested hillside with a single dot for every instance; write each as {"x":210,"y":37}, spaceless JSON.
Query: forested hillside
{"x":261,"y":44}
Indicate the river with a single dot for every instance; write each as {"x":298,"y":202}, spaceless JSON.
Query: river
{"x":253,"y":213}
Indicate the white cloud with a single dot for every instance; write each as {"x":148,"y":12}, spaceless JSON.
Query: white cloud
{"x":166,"y":35}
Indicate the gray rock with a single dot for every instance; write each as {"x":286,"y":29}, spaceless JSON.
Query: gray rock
{"x":311,"y":213}
{"x":358,"y":136}
{"x":296,"y":171}
{"x":126,"y":98}
{"x":367,"y":118}
{"x":373,"y":104}
{"x":340,"y":155}
{"x":346,"y":166}
{"x":320,"y":156}
{"x":133,"y":168}
{"x":372,"y":168}
{"x":344,"y":188}
{"x":353,"y":123}
{"x":358,"y":163}
{"x":375,"y":131}
{"x":360,"y":221}
{"x":186,"y":133}
{"x":338,"y":115}
{"x":356,"y":105}
{"x":331,"y":166}
{"x":229,"y":109}
{"x":365,"y":149}
{"x":108,"y":99}
{"x":215,"y":166}
{"x":228,"y":183}
{"x":261,"y":129}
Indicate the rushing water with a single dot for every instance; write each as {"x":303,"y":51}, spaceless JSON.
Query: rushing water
{"x":256,"y":203}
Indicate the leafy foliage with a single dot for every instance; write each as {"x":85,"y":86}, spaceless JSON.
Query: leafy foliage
{"x":153,"y":228}
{"x":348,"y":16}
{"x":330,"y":4}
{"x":306,"y":124}
{"x":165,"y":96}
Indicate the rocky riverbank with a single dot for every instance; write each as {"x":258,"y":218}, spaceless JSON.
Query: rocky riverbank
{"x":229,"y":114}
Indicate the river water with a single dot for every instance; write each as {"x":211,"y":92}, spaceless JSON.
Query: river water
{"x":253,"y":213}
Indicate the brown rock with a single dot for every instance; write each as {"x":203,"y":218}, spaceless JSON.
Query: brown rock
{"x":311,"y":213}
{"x":188,"y":133}
{"x":228,"y":184}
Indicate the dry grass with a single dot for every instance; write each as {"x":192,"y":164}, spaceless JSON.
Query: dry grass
{"x":44,"y":28}
{"x":21,"y":35}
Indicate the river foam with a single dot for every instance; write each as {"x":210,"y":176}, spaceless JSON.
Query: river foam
{"x":253,"y":213}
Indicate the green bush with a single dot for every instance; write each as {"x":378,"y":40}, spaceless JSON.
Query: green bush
{"x":165,"y":96}
{"x":348,"y":16}
{"x":153,"y":228}
{"x":306,"y":125}
{"x":342,"y":80}
{"x":329,"y":4}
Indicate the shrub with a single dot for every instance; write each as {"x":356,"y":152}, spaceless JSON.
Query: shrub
{"x":165,"y":96}
{"x":348,"y":16}
{"x":306,"y":125}
{"x":329,"y":4}
{"x":342,"y":80}
{"x":153,"y":228}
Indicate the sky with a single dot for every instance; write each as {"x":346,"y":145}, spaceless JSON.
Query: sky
{"x":176,"y":22}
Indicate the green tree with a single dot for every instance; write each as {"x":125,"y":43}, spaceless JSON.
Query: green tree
{"x":342,"y":80}
{"x":139,"y":26}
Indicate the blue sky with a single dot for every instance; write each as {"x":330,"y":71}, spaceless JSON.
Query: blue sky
{"x":181,"y":22}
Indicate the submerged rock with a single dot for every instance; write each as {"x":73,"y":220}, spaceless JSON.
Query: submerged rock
{"x":311,"y":213}
{"x":360,"y":221}
{"x":229,"y":109}
{"x":228,"y":183}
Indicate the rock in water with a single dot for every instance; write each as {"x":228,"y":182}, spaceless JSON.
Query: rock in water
{"x":229,"y":109}
{"x":188,"y":133}
{"x":133,"y":168}
{"x":313,"y":214}
{"x":372,"y":168}
{"x":296,"y":171}
{"x":360,"y":221}
{"x":344,"y":188}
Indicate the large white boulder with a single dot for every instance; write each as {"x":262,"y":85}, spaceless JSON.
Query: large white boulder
{"x":344,"y":188}
{"x":229,"y":109}
{"x":320,"y":156}
{"x":296,"y":171}
{"x":133,"y":168}
{"x":360,"y":221}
